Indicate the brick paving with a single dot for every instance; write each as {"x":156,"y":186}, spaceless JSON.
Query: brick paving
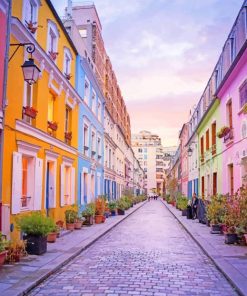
{"x":147,"y":254}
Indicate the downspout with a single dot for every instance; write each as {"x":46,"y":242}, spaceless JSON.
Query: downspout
{"x":5,"y":90}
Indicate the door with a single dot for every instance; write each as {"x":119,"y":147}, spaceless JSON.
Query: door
{"x":50,"y":186}
{"x":203,"y":187}
{"x":47,"y":187}
{"x":231,"y":176}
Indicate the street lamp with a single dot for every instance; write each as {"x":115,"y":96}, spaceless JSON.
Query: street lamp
{"x":29,"y":69}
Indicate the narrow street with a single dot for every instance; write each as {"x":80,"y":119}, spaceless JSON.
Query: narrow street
{"x":147,"y":254}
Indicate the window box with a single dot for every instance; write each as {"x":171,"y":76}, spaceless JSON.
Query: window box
{"x":31,"y":26}
{"x":53,"y":55}
{"x":30,"y":112}
{"x":223,"y":132}
{"x":86,"y":147}
{"x":52,"y":125}
{"x":99,"y":156}
{"x":24,"y":200}
{"x":93,"y":152}
{"x":228,"y":136}
{"x":67,"y":76}
{"x":68,"y":136}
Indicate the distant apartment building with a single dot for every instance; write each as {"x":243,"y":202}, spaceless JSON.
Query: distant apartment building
{"x":150,"y":153}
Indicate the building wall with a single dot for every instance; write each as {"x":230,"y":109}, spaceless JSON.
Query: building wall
{"x":33,"y":152}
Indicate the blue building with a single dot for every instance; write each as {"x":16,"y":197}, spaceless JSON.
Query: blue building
{"x":90,"y":134}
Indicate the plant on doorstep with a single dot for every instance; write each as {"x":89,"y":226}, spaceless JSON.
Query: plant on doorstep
{"x":36,"y":228}
{"x":216,"y":211}
{"x":70,"y":218}
{"x":89,"y":213}
{"x":112,"y":205}
{"x":3,"y":252}
{"x":100,"y":205}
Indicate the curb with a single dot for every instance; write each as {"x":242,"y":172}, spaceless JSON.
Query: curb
{"x":235,"y":286}
{"x":52,"y":271}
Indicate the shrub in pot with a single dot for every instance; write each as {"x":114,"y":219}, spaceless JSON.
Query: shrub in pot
{"x":121,"y":206}
{"x":36,"y":228}
{"x":3,"y":252}
{"x":112,"y":207}
{"x":79,"y":221}
{"x":182,"y":203}
{"x":89,"y":213}
{"x":100,"y":205}
{"x":70,"y":217}
{"x":216,"y":211}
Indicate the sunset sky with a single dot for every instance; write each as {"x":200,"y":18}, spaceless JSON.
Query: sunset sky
{"x":163,"y":52}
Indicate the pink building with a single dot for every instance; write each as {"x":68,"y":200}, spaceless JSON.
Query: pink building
{"x":232,"y":92}
{"x":4,"y":17}
{"x":184,"y":137}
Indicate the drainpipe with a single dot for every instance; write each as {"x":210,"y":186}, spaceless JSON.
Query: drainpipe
{"x":4,"y":93}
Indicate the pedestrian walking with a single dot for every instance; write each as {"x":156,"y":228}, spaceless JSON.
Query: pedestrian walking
{"x":194,"y":206}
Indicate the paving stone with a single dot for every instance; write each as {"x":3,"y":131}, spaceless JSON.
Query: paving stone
{"x":148,"y":254}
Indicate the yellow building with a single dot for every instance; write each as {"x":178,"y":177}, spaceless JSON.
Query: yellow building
{"x":40,"y":136}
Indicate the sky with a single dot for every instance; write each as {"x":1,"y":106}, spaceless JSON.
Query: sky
{"x":163,"y":53}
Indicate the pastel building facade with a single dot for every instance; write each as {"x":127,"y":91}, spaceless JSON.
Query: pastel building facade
{"x":5,"y":17}
{"x":90,"y":134}
{"x":183,"y":137}
{"x":40,"y":147}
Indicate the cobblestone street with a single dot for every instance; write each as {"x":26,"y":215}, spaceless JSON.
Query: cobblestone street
{"x":147,"y":254}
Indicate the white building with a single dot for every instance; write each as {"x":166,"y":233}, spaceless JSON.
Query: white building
{"x":150,"y":154}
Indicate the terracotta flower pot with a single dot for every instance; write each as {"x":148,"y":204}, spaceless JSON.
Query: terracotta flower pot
{"x":231,"y":238}
{"x":51,"y":237}
{"x":103,"y":219}
{"x":2,"y":257}
{"x":78,"y":225}
{"x":215,"y":228}
{"x":70,"y":226}
{"x":98,"y":219}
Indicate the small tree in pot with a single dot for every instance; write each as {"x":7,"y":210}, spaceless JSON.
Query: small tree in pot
{"x":232,"y":219}
{"x":121,"y":206}
{"x":100,"y":205}
{"x":36,"y":228}
{"x":112,"y":207}
{"x":89,"y":213}
{"x":70,"y":217}
{"x":3,"y":252}
{"x":216,"y":211}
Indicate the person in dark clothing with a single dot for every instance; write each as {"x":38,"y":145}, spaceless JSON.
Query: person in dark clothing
{"x":194,"y":206}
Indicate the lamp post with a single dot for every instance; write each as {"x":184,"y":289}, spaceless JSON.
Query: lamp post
{"x":29,"y":69}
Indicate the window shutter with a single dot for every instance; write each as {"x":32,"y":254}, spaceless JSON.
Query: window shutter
{"x":72,"y":185}
{"x":62,"y":185}
{"x":82,"y":188}
{"x":38,"y":184}
{"x":16,"y":183}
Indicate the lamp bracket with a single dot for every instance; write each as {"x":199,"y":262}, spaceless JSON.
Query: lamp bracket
{"x":30,"y":48}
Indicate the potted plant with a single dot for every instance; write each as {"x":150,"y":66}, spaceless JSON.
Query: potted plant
{"x":121,"y":206}
{"x":70,"y":217}
{"x":112,"y":207}
{"x":53,"y":55}
{"x":52,"y":125}
{"x":79,"y":221}
{"x":3,"y":252}
{"x":99,"y":210}
{"x":216,"y":210}
{"x":232,"y":219}
{"x":89,"y":213}
{"x":182,"y":203}
{"x":223,"y":131}
{"x":68,"y":136}
{"x":67,"y":76}
{"x":36,"y":228}
{"x":52,"y":236}
{"x":30,"y":112}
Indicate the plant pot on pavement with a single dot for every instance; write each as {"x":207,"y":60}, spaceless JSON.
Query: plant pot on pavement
{"x":2,"y":257}
{"x":78,"y":225}
{"x":215,"y":229}
{"x":113,"y":213}
{"x":121,"y":212}
{"x":51,"y":237}
{"x":231,"y":238}
{"x":70,"y":226}
{"x":184,"y":212}
{"x":98,"y":219}
{"x":36,"y":245}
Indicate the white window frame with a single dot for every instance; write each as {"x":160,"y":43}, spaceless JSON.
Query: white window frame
{"x":93,"y":140}
{"x":67,"y":58}
{"x":52,"y":28}
{"x":67,"y":163}
{"x":26,"y":17}
{"x":93,"y":101}
{"x":99,"y":110}
{"x":86,"y":90}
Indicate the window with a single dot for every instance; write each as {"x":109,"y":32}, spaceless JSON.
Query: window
{"x":86,"y":90}
{"x":207,"y":140}
{"x":93,"y":143}
{"x":27,"y":178}
{"x":85,"y":134}
{"x":67,"y":119}
{"x":67,"y":184}
{"x":93,"y":101}
{"x":52,"y":40}
{"x":202,"y":148}
{"x":214,"y":183}
{"x":67,"y":62}
{"x":214,"y":138}
{"x":140,"y":150}
{"x":203,"y":187}
{"x":51,"y":108}
{"x":30,"y":12}
{"x":99,"y":147}
{"x":28,"y":98}
{"x":109,"y":158}
{"x":83,"y":33}
{"x":231,"y":179}
{"x":229,"y":113}
{"x":243,"y":94}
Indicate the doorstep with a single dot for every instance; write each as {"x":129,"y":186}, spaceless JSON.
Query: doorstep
{"x":230,"y":260}
{"x":19,"y":278}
